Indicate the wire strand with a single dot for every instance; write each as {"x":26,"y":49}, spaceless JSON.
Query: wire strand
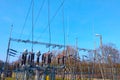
{"x":63,"y":24}
{"x":49,"y":23}
{"x":39,"y":12}
{"x":25,"y":20}
{"x":52,"y":18}
{"x":40,"y":9}
{"x":32,"y":24}
{"x":63,"y":33}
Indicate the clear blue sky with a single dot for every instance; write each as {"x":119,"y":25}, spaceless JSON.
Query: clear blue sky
{"x":83,"y":19}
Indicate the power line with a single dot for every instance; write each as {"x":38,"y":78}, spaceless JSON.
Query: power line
{"x":32,"y":23}
{"x":40,"y":9}
{"x":63,"y":24}
{"x":52,"y":18}
{"x":63,"y":33}
{"x":49,"y":23}
{"x":25,"y":19}
{"x":39,"y":12}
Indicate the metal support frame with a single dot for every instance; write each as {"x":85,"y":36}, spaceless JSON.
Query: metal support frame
{"x":48,"y":44}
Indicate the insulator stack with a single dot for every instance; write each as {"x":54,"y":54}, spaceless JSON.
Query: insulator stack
{"x":38,"y":57}
{"x":24,"y":57}
{"x":22,"y":62}
{"x":31,"y":58}
{"x":49,"y":58}
{"x":58,"y":60}
{"x":63,"y":60}
{"x":43,"y":58}
{"x":18,"y":66}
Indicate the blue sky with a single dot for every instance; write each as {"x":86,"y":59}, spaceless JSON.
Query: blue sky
{"x":82,"y":18}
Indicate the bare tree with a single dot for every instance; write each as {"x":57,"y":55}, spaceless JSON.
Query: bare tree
{"x":110,"y":51}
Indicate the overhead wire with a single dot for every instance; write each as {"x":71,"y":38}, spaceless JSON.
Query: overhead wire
{"x":64,"y":34}
{"x":63,"y":25}
{"x":49,"y":23}
{"x":53,"y":17}
{"x":32,"y":24}
{"x":40,"y":9}
{"x":43,"y":2}
{"x":25,"y":20}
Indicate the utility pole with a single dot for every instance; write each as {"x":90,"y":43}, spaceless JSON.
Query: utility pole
{"x":76,"y":56}
{"x":101,"y":47}
{"x":7,"y":55}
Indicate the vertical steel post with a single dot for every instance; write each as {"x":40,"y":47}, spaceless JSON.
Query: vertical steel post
{"x":6,"y":62}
